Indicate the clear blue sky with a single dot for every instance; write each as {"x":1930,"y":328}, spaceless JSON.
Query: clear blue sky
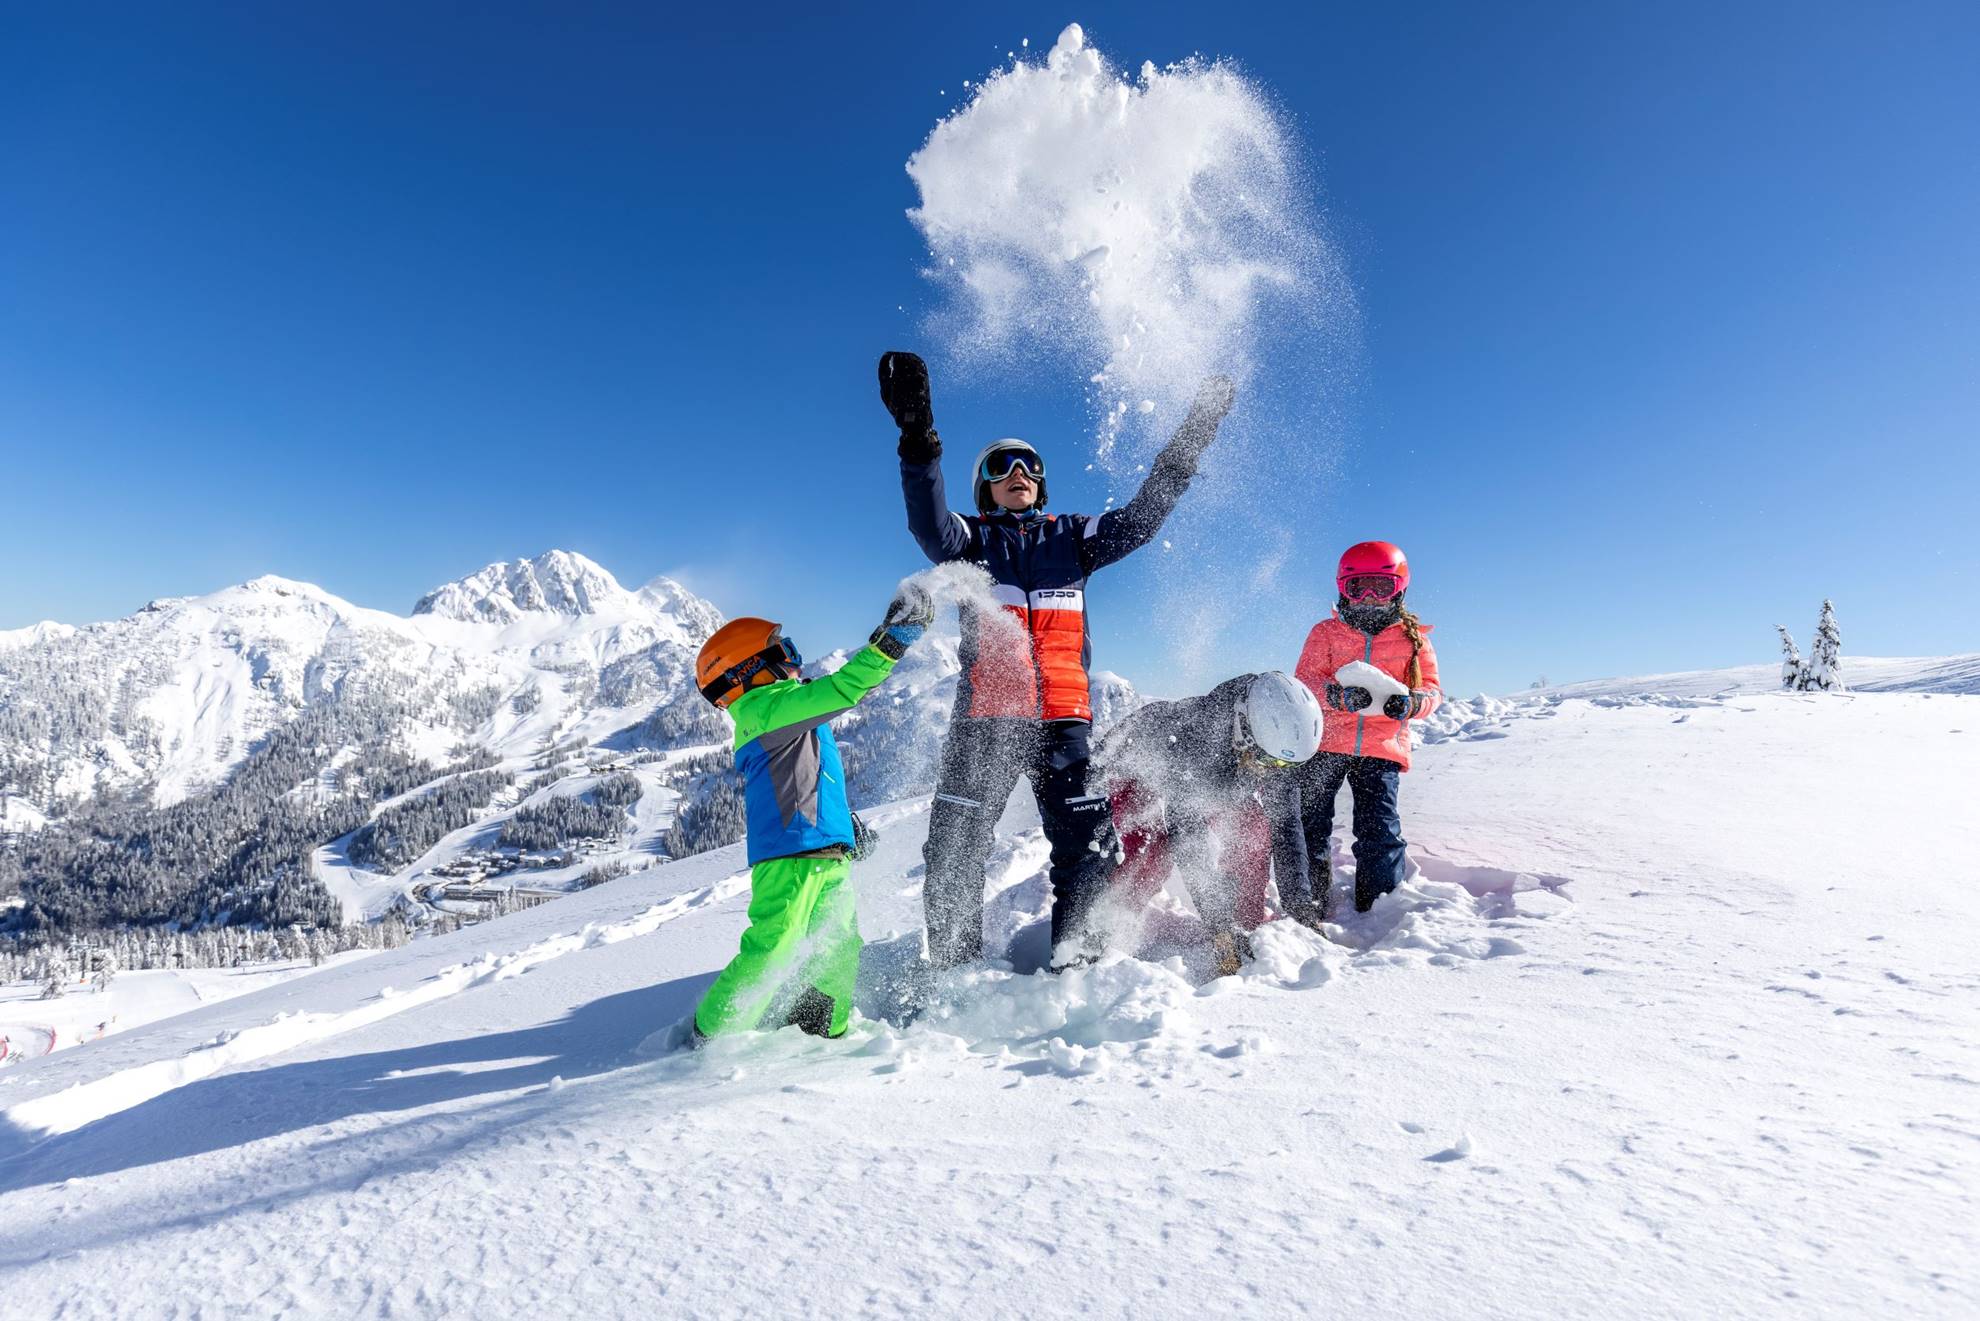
{"x":1670,"y":316}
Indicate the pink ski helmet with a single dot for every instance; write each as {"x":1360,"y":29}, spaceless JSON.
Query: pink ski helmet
{"x":1373,"y":560}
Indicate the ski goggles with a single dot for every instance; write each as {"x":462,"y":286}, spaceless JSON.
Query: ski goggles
{"x":1371,"y":587}
{"x":781,"y":651}
{"x":1248,"y":751}
{"x":1002,"y":463}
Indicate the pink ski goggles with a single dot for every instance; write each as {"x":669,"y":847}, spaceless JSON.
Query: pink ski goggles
{"x":1371,"y":587}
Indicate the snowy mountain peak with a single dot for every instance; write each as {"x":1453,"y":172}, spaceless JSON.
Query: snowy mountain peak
{"x":557,"y":582}
{"x":277,"y":585}
{"x":665,"y":596}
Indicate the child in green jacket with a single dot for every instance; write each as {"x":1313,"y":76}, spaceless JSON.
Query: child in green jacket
{"x":800,"y":955}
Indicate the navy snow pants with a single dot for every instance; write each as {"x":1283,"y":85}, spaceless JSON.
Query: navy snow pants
{"x":981,"y":762}
{"x":1378,"y":842}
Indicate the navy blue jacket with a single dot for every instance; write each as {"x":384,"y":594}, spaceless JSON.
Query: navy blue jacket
{"x":1040,"y":564}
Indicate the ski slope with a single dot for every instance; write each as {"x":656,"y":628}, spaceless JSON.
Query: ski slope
{"x":1866,"y":674}
{"x":1677,"y":1017}
{"x":31,"y":1027}
{"x":366,"y":894}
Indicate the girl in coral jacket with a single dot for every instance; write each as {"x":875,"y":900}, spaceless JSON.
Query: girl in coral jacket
{"x":1372,"y":667}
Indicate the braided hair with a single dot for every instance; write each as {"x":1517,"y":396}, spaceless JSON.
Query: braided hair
{"x":1412,"y":628}
{"x":1373,"y":619}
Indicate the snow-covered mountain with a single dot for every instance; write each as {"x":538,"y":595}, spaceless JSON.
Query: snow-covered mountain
{"x":161,"y":705}
{"x":352,"y":713}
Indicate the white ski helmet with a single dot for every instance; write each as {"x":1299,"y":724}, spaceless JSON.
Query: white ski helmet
{"x":1278,"y":719}
{"x":1008,"y":449}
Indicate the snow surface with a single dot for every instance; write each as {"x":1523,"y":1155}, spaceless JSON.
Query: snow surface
{"x":18,"y":814}
{"x":1871,"y":674}
{"x":31,"y":1027}
{"x":1668,"y":1021}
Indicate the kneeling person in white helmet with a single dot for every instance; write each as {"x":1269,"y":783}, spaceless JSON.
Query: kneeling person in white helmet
{"x":1199,"y":785}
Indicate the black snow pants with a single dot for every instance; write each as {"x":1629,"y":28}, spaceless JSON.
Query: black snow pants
{"x":981,"y":761}
{"x":1379,"y":848}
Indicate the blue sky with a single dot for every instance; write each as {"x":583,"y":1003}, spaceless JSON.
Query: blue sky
{"x":1669,"y":319}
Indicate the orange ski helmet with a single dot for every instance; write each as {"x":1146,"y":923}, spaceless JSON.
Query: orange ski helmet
{"x":742,"y":654}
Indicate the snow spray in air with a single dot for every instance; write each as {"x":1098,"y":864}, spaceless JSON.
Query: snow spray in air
{"x":1144,"y":234}
{"x":1003,"y":646}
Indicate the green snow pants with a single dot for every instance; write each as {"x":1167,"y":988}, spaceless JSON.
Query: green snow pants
{"x":800,"y":953}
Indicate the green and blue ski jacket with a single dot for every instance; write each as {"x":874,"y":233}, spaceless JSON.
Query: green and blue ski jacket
{"x":793,"y":782}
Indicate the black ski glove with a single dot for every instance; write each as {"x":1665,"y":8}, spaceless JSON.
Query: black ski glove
{"x":1349,"y":698}
{"x":1396,"y":707}
{"x":865,"y":838}
{"x":904,"y":390}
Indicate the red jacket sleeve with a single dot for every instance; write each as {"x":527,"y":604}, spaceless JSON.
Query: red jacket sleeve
{"x":1316,"y":668}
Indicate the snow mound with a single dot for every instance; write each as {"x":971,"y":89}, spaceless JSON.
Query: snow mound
{"x":1117,"y":1001}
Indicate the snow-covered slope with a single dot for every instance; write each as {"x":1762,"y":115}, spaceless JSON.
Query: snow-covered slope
{"x":46,"y":630}
{"x":164,"y":703}
{"x":1870,"y":674}
{"x":1669,"y":1022}
{"x":17,"y":814}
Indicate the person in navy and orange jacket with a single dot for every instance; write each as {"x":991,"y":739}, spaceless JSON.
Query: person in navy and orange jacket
{"x":1372,"y":667}
{"x":1023,"y":705}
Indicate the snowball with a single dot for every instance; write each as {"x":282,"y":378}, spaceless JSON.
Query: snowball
{"x":1360,"y":674}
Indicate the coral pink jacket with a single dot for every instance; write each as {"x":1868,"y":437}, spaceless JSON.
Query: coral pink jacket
{"x":1332,"y":644}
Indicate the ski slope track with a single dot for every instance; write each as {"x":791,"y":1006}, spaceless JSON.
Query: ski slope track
{"x":1676,"y":1015}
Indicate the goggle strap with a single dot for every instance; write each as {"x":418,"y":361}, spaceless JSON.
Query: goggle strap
{"x":743,"y":671}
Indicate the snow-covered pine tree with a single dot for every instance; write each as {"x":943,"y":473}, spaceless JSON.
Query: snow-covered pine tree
{"x":1790,"y":659}
{"x":55,"y":973}
{"x":103,"y":968}
{"x":1823,"y":673}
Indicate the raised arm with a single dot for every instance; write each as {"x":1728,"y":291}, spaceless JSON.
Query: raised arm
{"x":820,"y":700}
{"x":814,"y":703}
{"x":1120,"y":532}
{"x":941,"y":534}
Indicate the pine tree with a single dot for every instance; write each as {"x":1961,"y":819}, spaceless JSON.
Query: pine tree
{"x":1823,"y":672}
{"x":104,"y":969}
{"x":1790,"y":659}
{"x":55,"y":973}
